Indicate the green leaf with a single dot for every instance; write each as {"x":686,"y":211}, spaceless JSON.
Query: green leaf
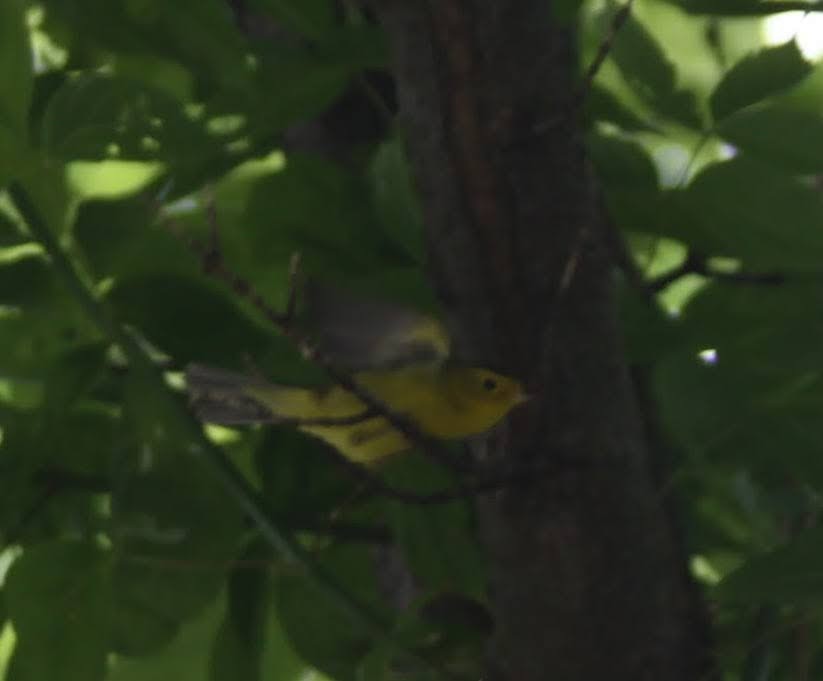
{"x":790,"y":574}
{"x":16,"y":72}
{"x":321,"y":632}
{"x":95,"y":117}
{"x":621,"y":162}
{"x":756,"y":406}
{"x":738,"y":417}
{"x":294,"y":86}
{"x":238,"y":646}
{"x":603,"y":105}
{"x":649,"y":72}
{"x":747,"y":210}
{"x":185,"y":658}
{"x":300,"y":478}
{"x":438,"y":541}
{"x":649,"y":333}
{"x":314,"y":207}
{"x":16,"y":83}
{"x":199,"y":34}
{"x":396,"y":201}
{"x":10,"y":233}
{"x":58,"y":600}
{"x":33,"y":336}
{"x":121,"y":239}
{"x":788,"y":138}
{"x":72,"y":375}
{"x":175,"y":532}
{"x":758,"y":76}
{"x":25,"y":280}
{"x":190,"y":320}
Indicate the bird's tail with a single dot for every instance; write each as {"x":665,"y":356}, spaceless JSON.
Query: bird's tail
{"x":225,"y":397}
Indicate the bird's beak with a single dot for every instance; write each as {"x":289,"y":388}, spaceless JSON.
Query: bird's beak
{"x":524,"y":397}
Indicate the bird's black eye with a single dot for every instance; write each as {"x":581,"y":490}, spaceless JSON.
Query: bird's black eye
{"x":489,"y":384}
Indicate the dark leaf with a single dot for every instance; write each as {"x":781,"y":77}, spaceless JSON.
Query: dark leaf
{"x":16,"y":73}
{"x":190,"y":320}
{"x":748,"y":210}
{"x":437,"y":540}
{"x":603,"y":105}
{"x":121,"y":239}
{"x":755,"y":403}
{"x":58,"y":597}
{"x":175,"y":531}
{"x":789,"y":574}
{"x":785,"y":137}
{"x":622,"y":163}
{"x":240,"y":640}
{"x":396,"y":200}
{"x":742,"y":8}
{"x":309,"y":18}
{"x":321,"y":631}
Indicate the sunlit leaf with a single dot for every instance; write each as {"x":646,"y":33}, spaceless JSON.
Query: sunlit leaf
{"x":648,"y":70}
{"x":97,"y":117}
{"x":758,"y":76}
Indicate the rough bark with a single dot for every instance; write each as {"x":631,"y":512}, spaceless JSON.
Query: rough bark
{"x":588,"y":579}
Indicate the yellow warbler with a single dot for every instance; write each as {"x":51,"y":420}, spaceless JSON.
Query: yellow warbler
{"x":411,"y":377}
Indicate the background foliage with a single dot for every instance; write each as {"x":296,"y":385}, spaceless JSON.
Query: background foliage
{"x":125,"y":557}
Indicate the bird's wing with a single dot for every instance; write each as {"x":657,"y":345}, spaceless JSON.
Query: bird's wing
{"x":219,"y":396}
{"x":361,"y":333}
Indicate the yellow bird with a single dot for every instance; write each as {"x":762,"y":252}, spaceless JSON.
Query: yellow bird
{"x":409,"y":373}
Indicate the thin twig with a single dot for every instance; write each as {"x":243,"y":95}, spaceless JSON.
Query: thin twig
{"x":494,"y":482}
{"x":605,"y":47}
{"x":618,"y":20}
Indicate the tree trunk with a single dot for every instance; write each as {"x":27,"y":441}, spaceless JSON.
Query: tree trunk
{"x":588,"y":578}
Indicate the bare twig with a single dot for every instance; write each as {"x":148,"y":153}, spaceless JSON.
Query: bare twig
{"x":698,"y":264}
{"x":605,"y":47}
{"x":489,"y":484}
{"x":618,"y":20}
